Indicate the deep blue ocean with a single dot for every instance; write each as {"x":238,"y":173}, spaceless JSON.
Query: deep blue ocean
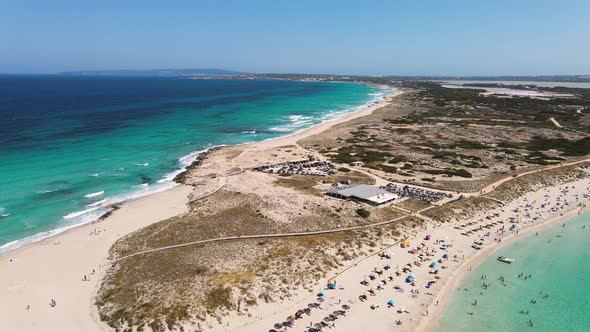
{"x":70,"y":146}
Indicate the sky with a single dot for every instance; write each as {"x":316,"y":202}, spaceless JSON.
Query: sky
{"x":412,"y":37}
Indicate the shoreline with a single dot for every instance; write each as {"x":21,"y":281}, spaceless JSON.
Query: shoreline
{"x":420,"y":311}
{"x":44,"y":270}
{"x":444,"y":296}
{"x":54,"y":267}
{"x":187,"y":162}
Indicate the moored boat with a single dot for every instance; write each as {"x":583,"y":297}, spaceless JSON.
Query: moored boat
{"x":506,"y":259}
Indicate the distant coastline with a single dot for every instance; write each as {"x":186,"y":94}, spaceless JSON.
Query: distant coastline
{"x":225,"y":73}
{"x":155,"y":72}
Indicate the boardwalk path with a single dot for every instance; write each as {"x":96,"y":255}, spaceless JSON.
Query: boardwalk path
{"x":487,"y":189}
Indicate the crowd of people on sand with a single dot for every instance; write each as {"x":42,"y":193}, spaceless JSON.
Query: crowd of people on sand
{"x":303,"y":167}
{"x":528,"y":212}
{"x":433,"y":256}
{"x":426,"y":195}
{"x":430,"y":255}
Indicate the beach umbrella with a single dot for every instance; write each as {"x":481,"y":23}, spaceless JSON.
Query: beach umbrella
{"x":321,"y":299}
{"x":345,"y":306}
{"x":278,"y":325}
{"x":390,"y":303}
{"x":322,"y":293}
{"x":273,"y":330}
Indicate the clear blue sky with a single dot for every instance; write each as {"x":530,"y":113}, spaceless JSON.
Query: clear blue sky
{"x":411,"y":37}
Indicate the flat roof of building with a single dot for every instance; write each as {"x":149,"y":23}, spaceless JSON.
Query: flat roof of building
{"x":366,"y":192}
{"x":363,"y":191}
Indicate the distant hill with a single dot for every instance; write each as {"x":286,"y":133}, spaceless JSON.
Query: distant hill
{"x":155,"y":72}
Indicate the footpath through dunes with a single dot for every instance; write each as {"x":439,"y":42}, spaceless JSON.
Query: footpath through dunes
{"x":268,"y":240}
{"x":488,"y":189}
{"x":268,"y":236}
{"x":139,"y":133}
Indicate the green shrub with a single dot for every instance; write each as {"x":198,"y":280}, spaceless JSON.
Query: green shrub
{"x":363,"y":213}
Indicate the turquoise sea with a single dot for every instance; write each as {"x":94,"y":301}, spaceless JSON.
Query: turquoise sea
{"x":70,"y":146}
{"x":556,"y":296}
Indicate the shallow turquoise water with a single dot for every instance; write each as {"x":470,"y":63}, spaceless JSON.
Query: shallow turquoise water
{"x":560,"y":269}
{"x":69,"y":146}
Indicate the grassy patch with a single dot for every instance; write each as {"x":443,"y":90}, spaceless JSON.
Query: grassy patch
{"x":363,"y":213}
{"x":218,"y":297}
{"x":450,"y":172}
{"x":568,"y":148}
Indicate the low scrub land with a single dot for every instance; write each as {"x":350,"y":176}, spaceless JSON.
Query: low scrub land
{"x":458,"y":139}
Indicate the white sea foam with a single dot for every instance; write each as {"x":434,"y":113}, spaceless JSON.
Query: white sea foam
{"x":102,"y":202}
{"x":96,"y":210}
{"x":46,"y":191}
{"x":98,"y":193}
{"x":185,"y":161}
{"x":79,"y":213}
{"x":332,"y":116}
{"x":95,"y":174}
{"x":295,"y":122}
{"x":143,"y":186}
{"x":85,"y":219}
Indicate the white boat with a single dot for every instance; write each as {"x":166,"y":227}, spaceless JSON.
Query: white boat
{"x":506,"y":259}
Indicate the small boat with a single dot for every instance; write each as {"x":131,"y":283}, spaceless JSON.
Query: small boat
{"x":506,"y":259}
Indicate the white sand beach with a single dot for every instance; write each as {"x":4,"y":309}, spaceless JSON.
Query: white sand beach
{"x":56,"y":268}
{"x":416,"y":306}
{"x":53,"y":269}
